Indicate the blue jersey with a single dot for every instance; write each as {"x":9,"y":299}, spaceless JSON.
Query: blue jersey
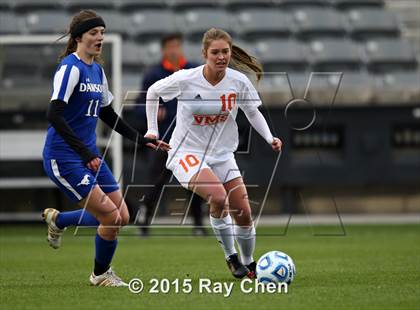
{"x":85,"y":90}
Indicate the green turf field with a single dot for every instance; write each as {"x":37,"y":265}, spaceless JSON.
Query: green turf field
{"x":370,"y":267}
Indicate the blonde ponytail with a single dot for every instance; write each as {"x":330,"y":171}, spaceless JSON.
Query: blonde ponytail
{"x":242,"y":61}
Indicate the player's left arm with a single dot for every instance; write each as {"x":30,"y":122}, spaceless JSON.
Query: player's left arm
{"x":258,"y":122}
{"x":249,"y":103}
{"x":111,"y":118}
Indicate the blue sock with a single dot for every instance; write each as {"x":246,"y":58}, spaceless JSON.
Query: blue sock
{"x":104,"y":251}
{"x":76,"y":218}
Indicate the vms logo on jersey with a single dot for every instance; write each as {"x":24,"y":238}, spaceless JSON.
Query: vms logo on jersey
{"x":85,"y":180}
{"x":90,"y":87}
{"x":207,"y":113}
{"x":204,"y":120}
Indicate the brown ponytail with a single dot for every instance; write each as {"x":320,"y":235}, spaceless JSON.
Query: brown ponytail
{"x":240,"y":59}
{"x":72,"y":43}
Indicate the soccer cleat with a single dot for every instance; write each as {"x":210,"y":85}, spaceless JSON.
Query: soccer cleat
{"x":54,"y":233}
{"x":235,"y":266}
{"x":252,"y":274}
{"x":108,"y":278}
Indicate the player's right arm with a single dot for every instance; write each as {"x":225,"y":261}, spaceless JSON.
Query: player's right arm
{"x":65,"y":80}
{"x":167,"y":89}
{"x":147,"y":81}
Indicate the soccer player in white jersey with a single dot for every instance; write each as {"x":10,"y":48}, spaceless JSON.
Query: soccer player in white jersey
{"x":206,"y":135}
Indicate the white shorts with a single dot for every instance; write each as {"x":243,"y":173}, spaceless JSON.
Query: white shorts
{"x":185,"y":164}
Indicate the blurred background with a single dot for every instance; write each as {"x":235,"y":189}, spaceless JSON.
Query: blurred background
{"x":360,"y":155}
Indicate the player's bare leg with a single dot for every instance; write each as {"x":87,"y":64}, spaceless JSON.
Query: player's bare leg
{"x":117,"y":198}
{"x":207,"y":185}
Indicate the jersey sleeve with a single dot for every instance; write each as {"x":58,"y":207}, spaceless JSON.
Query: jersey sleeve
{"x":249,"y":99}
{"x":107,"y":96}
{"x":168,"y":88}
{"x":65,"y":80}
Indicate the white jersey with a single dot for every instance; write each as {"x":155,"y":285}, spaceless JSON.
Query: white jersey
{"x":206,"y":113}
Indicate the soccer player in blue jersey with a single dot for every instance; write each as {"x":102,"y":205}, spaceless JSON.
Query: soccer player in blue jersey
{"x":80,"y":96}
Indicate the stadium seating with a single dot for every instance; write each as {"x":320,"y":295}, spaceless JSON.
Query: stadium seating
{"x":131,"y":53}
{"x":50,"y":54}
{"x":146,"y":25}
{"x":402,"y":87}
{"x":25,"y":6}
{"x":289,"y":4}
{"x":193,"y":53}
{"x":42,"y":22}
{"x":316,"y":22}
{"x":130,"y":5}
{"x":322,"y":88}
{"x":390,"y":54}
{"x":332,"y":89}
{"x":233,"y":5}
{"x":285,"y":55}
{"x":131,"y":82}
{"x":77,"y":5}
{"x":4,"y":5}
{"x":179,"y":5}
{"x":365,"y":23}
{"x":278,"y":88}
{"x":195,"y":22}
{"x":9,"y":23}
{"x":361,"y":38}
{"x":356,"y":88}
{"x":115,"y":22}
{"x":347,"y":4}
{"x":334,"y":54}
{"x":257,"y":23}
{"x":150,"y":53}
{"x":20,"y":60}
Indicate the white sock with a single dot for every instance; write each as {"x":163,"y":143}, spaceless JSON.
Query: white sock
{"x":245,"y":236}
{"x":223,"y":230}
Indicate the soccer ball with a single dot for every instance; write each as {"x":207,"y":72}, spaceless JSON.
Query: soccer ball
{"x":277,"y":267}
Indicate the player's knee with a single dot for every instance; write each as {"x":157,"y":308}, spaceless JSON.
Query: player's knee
{"x":125,"y":218}
{"x":111,"y":219}
{"x":246,"y":214}
{"x":218,"y":202}
{"x":218,"y":207}
{"x":243,"y":217}
{"x":112,"y":227}
{"x":109,"y":232}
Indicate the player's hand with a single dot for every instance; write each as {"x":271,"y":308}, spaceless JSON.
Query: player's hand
{"x":94,"y":164}
{"x":276,"y":145}
{"x":157,"y":144}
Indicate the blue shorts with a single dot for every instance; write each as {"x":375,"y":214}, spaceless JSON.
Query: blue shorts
{"x":76,"y":180}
